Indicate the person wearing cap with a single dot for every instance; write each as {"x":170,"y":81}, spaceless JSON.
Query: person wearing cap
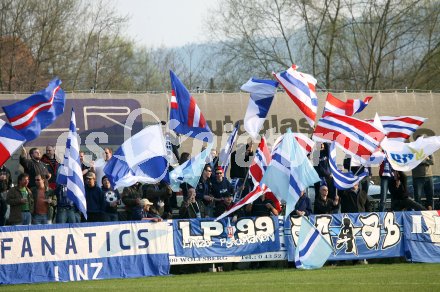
{"x":95,"y":199}
{"x":147,"y":214}
{"x":220,"y":186}
{"x":225,"y":205}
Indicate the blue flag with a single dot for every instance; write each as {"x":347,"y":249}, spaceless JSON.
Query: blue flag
{"x":38,"y":111}
{"x":312,"y":250}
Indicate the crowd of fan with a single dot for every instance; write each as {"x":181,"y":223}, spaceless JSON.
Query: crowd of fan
{"x":36,"y":198}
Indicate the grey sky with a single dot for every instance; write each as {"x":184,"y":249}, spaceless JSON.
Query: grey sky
{"x":166,"y":22}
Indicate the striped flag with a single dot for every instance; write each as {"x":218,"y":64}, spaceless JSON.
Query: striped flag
{"x":262,"y":93}
{"x":70,"y":172}
{"x":348,"y":108}
{"x":185,"y":115}
{"x":342,"y":180}
{"x":400,"y":128}
{"x":38,"y":111}
{"x":313,"y":249}
{"x":225,"y":154}
{"x":305,"y":142}
{"x":261,"y":161}
{"x":355,"y":137}
{"x":10,"y":141}
{"x":301,"y":89}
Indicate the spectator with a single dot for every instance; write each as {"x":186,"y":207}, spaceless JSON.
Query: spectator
{"x":112,"y":199}
{"x":204,"y":190}
{"x":324,"y":172}
{"x":44,"y":201}
{"x":34,"y":165}
{"x":399,"y":194}
{"x":191,"y":207}
{"x":241,"y":160}
{"x":84,"y":168}
{"x":261,"y":207}
{"x":225,"y":205}
{"x":303,"y":206}
{"x":99,"y":165}
{"x":21,"y":202}
{"x":213,"y":159}
{"x":147,"y":214}
{"x":220,"y":186}
{"x":423,"y":183}
{"x":95,"y":199}
{"x":131,"y":197}
{"x":52,"y":164}
{"x":5,"y":186}
{"x":185,"y":156}
{"x":354,"y":201}
{"x":159,"y":194}
{"x":325,"y":205}
{"x":386,"y":175}
{"x":66,"y":211}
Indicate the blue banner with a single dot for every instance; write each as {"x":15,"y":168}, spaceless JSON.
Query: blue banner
{"x":74,"y":252}
{"x":422,"y":236}
{"x":353,"y":236}
{"x":204,"y":237}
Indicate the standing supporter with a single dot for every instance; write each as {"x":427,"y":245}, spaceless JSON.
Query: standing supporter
{"x":147,"y":214}
{"x":225,"y":205}
{"x":99,"y":165}
{"x":131,"y":196}
{"x":34,"y":165}
{"x":423,"y":183}
{"x":220,"y":186}
{"x":5,"y":186}
{"x":357,"y":168}
{"x":354,"y":200}
{"x":241,"y":160}
{"x":261,"y":207}
{"x":95,"y":199}
{"x":21,"y":202}
{"x":323,"y":204}
{"x":185,"y":156}
{"x":52,"y":164}
{"x":44,"y":201}
{"x":191,"y":207}
{"x":213,"y":159}
{"x":159,"y":194}
{"x":66,"y":211}
{"x":386,"y":175}
{"x":399,"y":194}
{"x":204,"y":190}
{"x":84,"y":168}
{"x":303,"y":206}
{"x":112,"y":199}
{"x":324,"y":172}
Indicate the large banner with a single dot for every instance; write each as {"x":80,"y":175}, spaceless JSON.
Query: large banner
{"x":206,"y":238}
{"x":353,"y":236}
{"x":75,"y":252}
{"x":422,"y":236}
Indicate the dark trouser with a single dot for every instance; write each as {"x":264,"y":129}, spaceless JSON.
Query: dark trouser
{"x":95,"y":217}
{"x":424,"y":185}
{"x":384,"y":183}
{"x":3,"y":209}
{"x":408,"y":204}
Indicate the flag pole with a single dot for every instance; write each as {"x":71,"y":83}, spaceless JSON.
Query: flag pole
{"x":247,"y":174}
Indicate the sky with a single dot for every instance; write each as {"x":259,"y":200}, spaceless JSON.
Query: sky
{"x":169,"y":23}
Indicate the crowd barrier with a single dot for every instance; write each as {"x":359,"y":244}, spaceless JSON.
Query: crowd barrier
{"x":89,"y":251}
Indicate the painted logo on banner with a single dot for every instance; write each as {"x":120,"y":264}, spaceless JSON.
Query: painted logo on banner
{"x":195,"y":238}
{"x":363,"y":235}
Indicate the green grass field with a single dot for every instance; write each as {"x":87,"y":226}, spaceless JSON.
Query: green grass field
{"x":380,"y":277}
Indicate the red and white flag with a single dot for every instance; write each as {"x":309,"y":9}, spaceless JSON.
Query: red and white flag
{"x":10,"y":141}
{"x":348,"y":108}
{"x":400,"y":128}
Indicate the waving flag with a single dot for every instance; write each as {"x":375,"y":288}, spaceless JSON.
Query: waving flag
{"x":10,"y":141}
{"x":262,"y":94}
{"x":301,"y":89}
{"x":225,"y":154}
{"x":356,"y":137}
{"x":70,"y":173}
{"x":185,"y":115}
{"x":313,"y":250}
{"x":289,"y":172}
{"x":305,"y":142}
{"x":142,"y":158}
{"x":261,"y":161}
{"x":342,"y":180}
{"x":400,"y":128}
{"x":348,"y":108}
{"x":38,"y":111}
{"x":190,"y":171}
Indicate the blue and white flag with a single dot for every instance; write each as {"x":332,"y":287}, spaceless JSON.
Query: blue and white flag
{"x":70,"y":173}
{"x":142,"y":158}
{"x":289,"y":172}
{"x":225,"y":154}
{"x":262,"y":94}
{"x":190,"y":171}
{"x":38,"y":111}
{"x":312,"y":250}
{"x":342,"y":180}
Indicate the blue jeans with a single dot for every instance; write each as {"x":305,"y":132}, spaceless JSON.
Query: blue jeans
{"x":40,"y":219}
{"x":66,"y":215}
{"x":424,"y":185}
{"x":26,"y":218}
{"x":384,"y":182}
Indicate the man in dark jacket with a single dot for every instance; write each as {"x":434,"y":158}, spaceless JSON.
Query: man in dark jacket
{"x":33,"y":165}
{"x":95,"y":199}
{"x":355,"y":201}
